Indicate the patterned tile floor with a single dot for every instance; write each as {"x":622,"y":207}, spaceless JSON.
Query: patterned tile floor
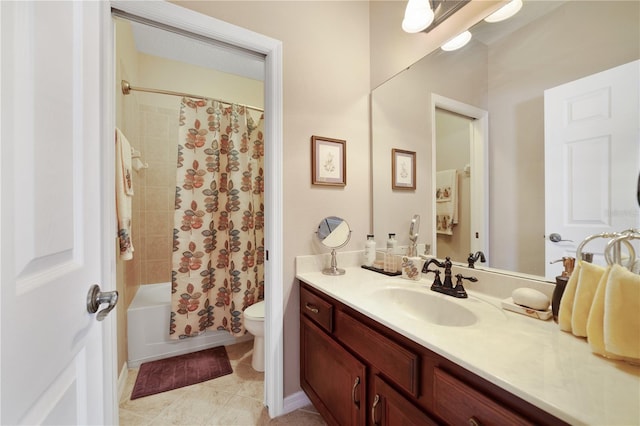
{"x":231,"y":400}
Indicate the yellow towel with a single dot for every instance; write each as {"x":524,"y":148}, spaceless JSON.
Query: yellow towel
{"x":566,"y":303}
{"x":588,"y":280}
{"x":621,"y":314}
{"x":595,"y":323}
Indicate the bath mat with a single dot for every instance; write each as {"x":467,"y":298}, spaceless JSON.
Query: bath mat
{"x":180,"y":371}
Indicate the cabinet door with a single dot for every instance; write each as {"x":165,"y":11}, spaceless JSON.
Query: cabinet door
{"x":332,"y":378}
{"x":390,"y":408}
{"x":458,"y":403}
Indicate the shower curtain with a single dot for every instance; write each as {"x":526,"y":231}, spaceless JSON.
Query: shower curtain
{"x":218,"y":244}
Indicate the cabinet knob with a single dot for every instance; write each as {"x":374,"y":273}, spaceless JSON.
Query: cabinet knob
{"x":474,"y":422}
{"x":311,"y":308}
{"x":353,"y":391}
{"x":376,"y":401}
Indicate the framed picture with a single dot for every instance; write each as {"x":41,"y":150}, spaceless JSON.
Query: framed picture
{"x":403,"y":169}
{"x":328,"y":161}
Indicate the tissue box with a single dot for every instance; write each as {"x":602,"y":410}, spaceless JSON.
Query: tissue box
{"x":412,"y":268}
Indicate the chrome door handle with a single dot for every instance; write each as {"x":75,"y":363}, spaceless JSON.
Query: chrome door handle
{"x":95,"y":298}
{"x":556,"y":238}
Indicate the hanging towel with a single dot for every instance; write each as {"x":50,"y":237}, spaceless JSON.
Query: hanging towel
{"x":595,"y":323}
{"x":621,"y":318}
{"x":124,"y":193}
{"x":588,"y":280}
{"x":566,"y":303}
{"x":446,"y":201}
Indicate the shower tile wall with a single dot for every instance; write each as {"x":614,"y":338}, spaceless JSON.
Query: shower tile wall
{"x":158,"y":138}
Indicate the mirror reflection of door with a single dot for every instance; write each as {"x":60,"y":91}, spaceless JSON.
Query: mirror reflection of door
{"x":592,"y":158}
{"x":453,"y":153}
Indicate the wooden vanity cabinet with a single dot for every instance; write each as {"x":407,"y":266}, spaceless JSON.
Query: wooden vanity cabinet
{"x":357,"y":371}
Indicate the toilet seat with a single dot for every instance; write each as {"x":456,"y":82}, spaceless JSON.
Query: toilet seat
{"x":255,"y":311}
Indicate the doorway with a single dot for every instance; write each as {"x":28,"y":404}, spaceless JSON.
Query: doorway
{"x":475,"y":121}
{"x":236,"y":39}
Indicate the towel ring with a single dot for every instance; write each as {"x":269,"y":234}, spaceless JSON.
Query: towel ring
{"x":615,"y":235}
{"x":615,"y":245}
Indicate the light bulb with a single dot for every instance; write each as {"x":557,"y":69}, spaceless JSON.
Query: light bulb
{"x":505,"y":12}
{"x":457,"y":42}
{"x":417,"y":16}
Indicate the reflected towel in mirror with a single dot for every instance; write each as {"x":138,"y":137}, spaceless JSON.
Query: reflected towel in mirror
{"x":446,"y":201}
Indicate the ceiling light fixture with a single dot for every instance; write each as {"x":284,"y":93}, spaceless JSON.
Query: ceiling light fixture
{"x":505,"y":12}
{"x":457,"y":42}
{"x":417,"y":16}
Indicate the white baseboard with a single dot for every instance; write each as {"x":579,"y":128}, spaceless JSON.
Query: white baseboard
{"x":295,"y":401}
{"x":122,"y":380}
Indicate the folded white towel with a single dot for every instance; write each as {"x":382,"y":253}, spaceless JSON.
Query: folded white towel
{"x":446,"y":201}
{"x":124,"y":192}
{"x":621,"y":319}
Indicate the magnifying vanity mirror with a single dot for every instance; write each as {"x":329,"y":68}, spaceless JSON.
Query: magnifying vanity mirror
{"x":498,"y":86}
{"x":333,"y":232}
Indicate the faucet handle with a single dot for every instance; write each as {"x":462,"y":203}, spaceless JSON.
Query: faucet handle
{"x":459,"y":288}
{"x":436,"y":281}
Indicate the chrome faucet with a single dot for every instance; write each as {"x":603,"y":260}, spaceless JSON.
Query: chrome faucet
{"x":474,"y":258}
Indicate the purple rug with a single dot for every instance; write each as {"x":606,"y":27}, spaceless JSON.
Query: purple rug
{"x":179,"y":371}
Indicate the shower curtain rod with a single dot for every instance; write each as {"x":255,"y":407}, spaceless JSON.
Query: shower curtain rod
{"x":127,"y":88}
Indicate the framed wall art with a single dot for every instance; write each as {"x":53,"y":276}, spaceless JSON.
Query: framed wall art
{"x":328,"y":161}
{"x":403,"y":169}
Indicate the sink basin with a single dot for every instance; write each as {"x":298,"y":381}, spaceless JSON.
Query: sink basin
{"x":425,"y":306}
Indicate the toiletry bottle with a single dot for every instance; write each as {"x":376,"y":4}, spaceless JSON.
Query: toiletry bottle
{"x":369,"y":250}
{"x":390,"y":255}
{"x":389,"y":262}
{"x":392,"y":243}
{"x":561,"y":282}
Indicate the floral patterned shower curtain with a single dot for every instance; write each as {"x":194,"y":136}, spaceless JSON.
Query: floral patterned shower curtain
{"x":218,"y":245}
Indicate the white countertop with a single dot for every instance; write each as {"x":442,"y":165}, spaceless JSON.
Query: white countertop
{"x":530,"y":358}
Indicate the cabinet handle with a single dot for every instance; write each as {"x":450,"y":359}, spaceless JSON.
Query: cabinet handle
{"x":353,"y":391}
{"x":311,"y":308}
{"x":473,"y":421}
{"x":376,"y":401}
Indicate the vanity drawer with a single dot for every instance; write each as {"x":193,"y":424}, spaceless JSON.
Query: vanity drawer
{"x":457,"y":403}
{"x":398,"y":364}
{"x":316,"y":309}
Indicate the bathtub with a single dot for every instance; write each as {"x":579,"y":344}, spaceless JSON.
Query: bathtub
{"x":148,"y":328}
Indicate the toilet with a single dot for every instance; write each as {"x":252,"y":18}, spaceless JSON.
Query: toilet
{"x":254,"y":323}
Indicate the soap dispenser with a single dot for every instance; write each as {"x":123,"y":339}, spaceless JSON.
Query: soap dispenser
{"x":561,"y":282}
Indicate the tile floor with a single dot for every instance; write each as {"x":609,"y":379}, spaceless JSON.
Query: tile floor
{"x":231,"y":400}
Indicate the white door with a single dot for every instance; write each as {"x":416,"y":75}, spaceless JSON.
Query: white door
{"x":51,"y":218}
{"x":592,"y":159}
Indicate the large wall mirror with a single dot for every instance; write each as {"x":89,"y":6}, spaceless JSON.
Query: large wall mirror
{"x":501,"y":77}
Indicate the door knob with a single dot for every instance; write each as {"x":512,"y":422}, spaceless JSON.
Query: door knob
{"x":95,"y":298}
{"x":556,"y":238}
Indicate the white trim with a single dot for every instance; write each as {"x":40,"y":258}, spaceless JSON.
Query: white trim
{"x":179,"y":17}
{"x":296,"y":401}
{"x":479,"y":168}
{"x":122,"y":382}
{"x":108,"y":225}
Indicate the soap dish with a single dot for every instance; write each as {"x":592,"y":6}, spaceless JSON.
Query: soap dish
{"x":533,"y":313}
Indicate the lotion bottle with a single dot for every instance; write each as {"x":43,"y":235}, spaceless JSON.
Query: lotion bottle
{"x":561,"y":282}
{"x":369,"y":250}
